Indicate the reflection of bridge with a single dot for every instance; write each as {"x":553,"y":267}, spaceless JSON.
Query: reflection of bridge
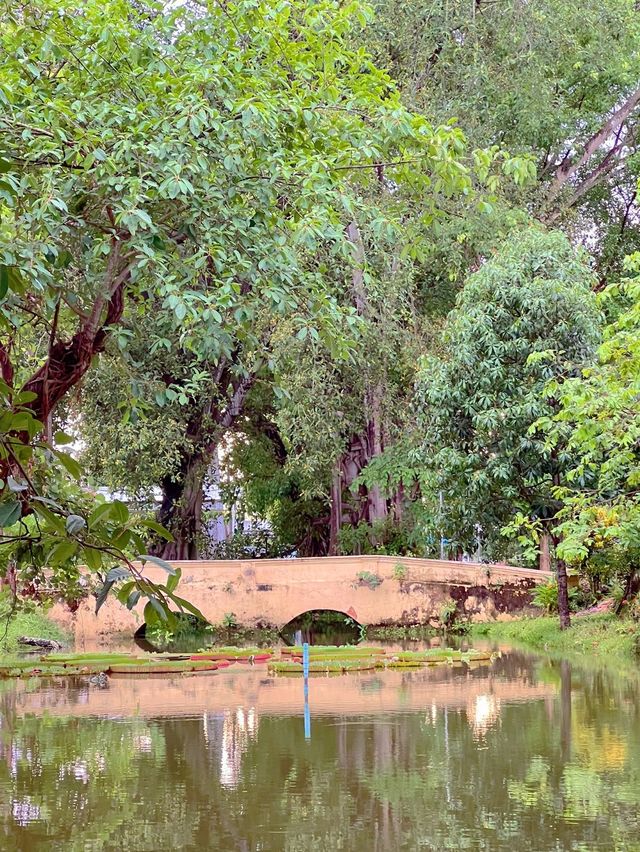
{"x":371,"y":589}
{"x":251,"y":688}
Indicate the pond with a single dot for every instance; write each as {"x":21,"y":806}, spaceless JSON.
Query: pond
{"x":524,"y":753}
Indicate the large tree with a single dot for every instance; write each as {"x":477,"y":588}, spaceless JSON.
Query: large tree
{"x":526,"y":316}
{"x":201,"y":162}
{"x":597,"y":421}
{"x":183,"y":161}
{"x":554,"y":79}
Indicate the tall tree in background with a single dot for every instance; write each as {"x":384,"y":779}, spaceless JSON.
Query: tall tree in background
{"x":555,"y":79}
{"x":526,"y":316}
{"x":597,"y":421}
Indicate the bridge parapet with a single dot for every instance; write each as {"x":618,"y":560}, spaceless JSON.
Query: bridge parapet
{"x":374,"y":590}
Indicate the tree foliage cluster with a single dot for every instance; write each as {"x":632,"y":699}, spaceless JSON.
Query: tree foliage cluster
{"x":376,"y":254}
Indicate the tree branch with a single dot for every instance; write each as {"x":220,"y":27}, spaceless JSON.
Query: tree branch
{"x":570,"y":165}
{"x":69,"y":360}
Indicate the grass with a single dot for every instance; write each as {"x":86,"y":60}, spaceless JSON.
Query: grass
{"x":34,"y":624}
{"x":602,"y":638}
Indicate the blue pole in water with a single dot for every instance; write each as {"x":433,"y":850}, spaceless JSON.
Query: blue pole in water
{"x":305,"y":673}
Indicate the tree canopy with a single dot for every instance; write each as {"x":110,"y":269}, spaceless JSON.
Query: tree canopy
{"x":359,"y":247}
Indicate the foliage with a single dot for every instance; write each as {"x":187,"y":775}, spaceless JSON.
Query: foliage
{"x":385,"y":538}
{"x":604,"y":638}
{"x":399,"y":571}
{"x":145,"y":173}
{"x":369,"y":579}
{"x":153,"y":187}
{"x":448,"y":614}
{"x":545,"y":596}
{"x":255,"y":543}
{"x":542,"y":79}
{"x":28,"y":620}
{"x":599,"y":423}
{"x":229,"y":620}
{"x":50,"y":526}
{"x":526,"y":316}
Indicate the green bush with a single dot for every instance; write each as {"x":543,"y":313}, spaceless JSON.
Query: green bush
{"x":545,"y":596}
{"x":250,"y":544}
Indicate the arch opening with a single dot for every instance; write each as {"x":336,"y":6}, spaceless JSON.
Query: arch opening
{"x":322,"y":627}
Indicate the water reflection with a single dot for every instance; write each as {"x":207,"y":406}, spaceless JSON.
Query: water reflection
{"x":524,"y":752}
{"x":227,"y":737}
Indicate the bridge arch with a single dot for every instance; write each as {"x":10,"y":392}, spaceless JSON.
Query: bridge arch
{"x":322,"y":627}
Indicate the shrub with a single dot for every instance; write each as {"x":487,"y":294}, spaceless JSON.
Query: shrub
{"x":399,"y":571}
{"x":545,"y":596}
{"x":250,"y":544}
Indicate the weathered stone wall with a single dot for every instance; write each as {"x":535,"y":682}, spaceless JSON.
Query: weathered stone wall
{"x":374,"y":590}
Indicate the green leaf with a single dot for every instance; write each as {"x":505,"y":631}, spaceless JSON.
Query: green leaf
{"x":102,"y":594}
{"x":62,"y":438}
{"x":184,"y":604}
{"x":133,"y":599}
{"x":125,"y":590}
{"x":62,"y":552}
{"x":14,"y":485}
{"x":54,"y":521}
{"x":157,"y":528}
{"x":10,"y":513}
{"x":101,"y":513}
{"x":4,"y":281}
{"x":155,"y":612}
{"x":117,"y":573}
{"x":173,"y":580}
{"x":25,"y":397}
{"x":93,"y":558}
{"x":115,"y":511}
{"x":69,"y":463}
{"x":161,"y":563}
{"x":74,"y":524}
{"x":119,"y":512}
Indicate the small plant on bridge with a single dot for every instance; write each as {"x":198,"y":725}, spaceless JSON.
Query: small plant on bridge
{"x":366,"y":578}
{"x":229,"y":620}
{"x":399,"y":571}
{"x":448,"y":614}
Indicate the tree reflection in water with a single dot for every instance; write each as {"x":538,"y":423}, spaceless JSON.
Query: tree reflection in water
{"x":555,"y":772}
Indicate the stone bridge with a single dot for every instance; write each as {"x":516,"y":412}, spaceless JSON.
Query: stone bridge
{"x":373,"y":590}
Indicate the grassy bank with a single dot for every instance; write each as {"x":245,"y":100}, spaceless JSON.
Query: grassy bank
{"x":605,"y":638}
{"x":34,"y":624}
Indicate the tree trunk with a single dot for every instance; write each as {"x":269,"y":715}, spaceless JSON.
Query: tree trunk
{"x":335,"y":520}
{"x":181,"y":510}
{"x":68,"y":360}
{"x":398,"y":503}
{"x":630,"y":589}
{"x":376,"y":502}
{"x":563,"y":595}
{"x":544,"y":562}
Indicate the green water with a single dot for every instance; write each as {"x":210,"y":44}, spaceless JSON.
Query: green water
{"x":526,"y":754}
